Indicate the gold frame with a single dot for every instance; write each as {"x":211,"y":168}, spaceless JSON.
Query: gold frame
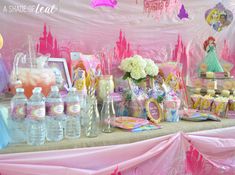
{"x":154,"y":101}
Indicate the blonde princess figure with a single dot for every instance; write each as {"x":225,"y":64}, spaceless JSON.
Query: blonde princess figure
{"x":213,"y":19}
{"x":173,"y":82}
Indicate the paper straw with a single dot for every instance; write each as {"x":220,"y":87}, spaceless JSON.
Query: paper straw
{"x":90,"y":113}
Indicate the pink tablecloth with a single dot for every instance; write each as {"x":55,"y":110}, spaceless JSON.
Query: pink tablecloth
{"x":201,"y":153}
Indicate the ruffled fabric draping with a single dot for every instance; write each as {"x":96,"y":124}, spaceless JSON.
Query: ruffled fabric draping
{"x":200,"y":153}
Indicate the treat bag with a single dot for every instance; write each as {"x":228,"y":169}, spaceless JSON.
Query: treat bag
{"x":196,"y":102}
{"x":231,"y":105}
{"x":171,"y":110}
{"x":220,"y":108}
{"x":137,"y":108}
{"x":206,"y":104}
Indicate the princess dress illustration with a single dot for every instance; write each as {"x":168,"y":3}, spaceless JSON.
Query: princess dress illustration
{"x":3,"y":70}
{"x":4,"y":134}
{"x":211,"y":59}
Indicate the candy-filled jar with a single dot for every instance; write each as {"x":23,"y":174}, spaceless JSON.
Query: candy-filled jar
{"x":105,"y":82}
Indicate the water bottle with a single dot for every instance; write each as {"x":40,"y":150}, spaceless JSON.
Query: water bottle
{"x":54,"y":115}
{"x":36,"y":130}
{"x":72,"y":111}
{"x":16,"y":121}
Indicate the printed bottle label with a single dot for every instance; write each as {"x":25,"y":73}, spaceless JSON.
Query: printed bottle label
{"x":36,"y":112}
{"x":54,"y":109}
{"x":72,"y":108}
{"x":19,"y":111}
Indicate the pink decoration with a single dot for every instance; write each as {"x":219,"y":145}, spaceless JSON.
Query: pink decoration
{"x":98,"y":3}
{"x":47,"y":45}
{"x":122,"y":49}
{"x":182,"y":13}
{"x":201,"y":153}
{"x":110,"y":59}
{"x":159,"y":6}
{"x":225,"y":54}
{"x":180,"y":56}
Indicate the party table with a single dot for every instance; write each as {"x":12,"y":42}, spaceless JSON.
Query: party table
{"x":117,"y":137}
{"x":121,"y":137}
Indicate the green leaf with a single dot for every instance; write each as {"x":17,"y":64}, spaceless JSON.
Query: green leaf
{"x":127,"y":75}
{"x":159,"y":99}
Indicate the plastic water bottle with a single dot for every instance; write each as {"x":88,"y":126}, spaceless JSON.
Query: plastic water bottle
{"x":36,"y":130}
{"x":16,"y":121}
{"x":55,"y":114}
{"x":72,"y":111}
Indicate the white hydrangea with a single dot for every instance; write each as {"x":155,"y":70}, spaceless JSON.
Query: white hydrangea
{"x":151,"y":68}
{"x":126,"y":65}
{"x":138,"y":67}
{"x":138,"y":61}
{"x":138,"y":73}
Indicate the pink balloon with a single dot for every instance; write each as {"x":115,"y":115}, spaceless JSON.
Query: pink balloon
{"x":97,"y":3}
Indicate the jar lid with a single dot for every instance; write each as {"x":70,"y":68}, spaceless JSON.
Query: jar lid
{"x":54,"y":89}
{"x":73,"y":89}
{"x":37,"y":90}
{"x":106,"y":77}
{"x":19,"y":90}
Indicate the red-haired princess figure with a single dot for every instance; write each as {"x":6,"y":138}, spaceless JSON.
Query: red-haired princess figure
{"x":211,"y":59}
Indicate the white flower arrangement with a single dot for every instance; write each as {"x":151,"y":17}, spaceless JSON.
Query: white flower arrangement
{"x":138,"y":68}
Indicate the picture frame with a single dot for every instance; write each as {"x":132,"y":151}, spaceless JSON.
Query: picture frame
{"x":154,"y":111}
{"x":63,"y":80}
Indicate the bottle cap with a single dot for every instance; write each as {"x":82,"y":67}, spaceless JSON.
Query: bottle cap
{"x":37,"y":90}
{"x":54,"y":89}
{"x":19,"y":90}
{"x":73,"y":89}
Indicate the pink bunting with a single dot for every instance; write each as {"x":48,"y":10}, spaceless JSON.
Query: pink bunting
{"x":98,"y":3}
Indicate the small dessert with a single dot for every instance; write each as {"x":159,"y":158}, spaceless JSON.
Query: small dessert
{"x":225,"y":93}
{"x":211,"y":92}
{"x":210,"y":74}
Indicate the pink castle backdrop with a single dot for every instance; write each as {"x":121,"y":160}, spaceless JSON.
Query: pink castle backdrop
{"x":172,"y":31}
